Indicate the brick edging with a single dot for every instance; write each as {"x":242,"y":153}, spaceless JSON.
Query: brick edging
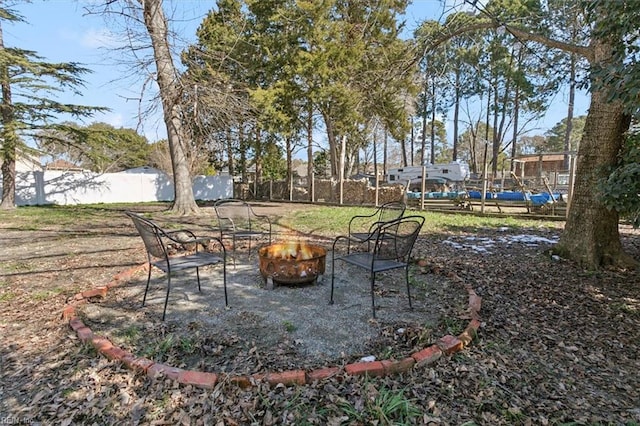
{"x":446,"y":345}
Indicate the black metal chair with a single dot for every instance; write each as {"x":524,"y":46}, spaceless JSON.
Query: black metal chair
{"x":390,"y":248}
{"x":237,"y":220}
{"x":361,"y":227}
{"x":159,"y":253}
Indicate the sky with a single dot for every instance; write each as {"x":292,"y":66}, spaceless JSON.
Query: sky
{"x":61,"y":31}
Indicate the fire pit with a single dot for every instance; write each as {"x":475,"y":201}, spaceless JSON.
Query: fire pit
{"x":291,"y":263}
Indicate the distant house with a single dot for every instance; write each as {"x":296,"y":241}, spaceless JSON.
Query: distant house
{"x":539,"y":164}
{"x":63,"y":165}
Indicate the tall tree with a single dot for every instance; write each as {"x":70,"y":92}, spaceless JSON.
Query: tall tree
{"x":556,"y":137}
{"x":168,"y":80}
{"x":147,"y":32}
{"x":591,"y":235}
{"x":29,"y":85}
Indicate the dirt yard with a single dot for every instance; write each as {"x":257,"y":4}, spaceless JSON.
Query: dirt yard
{"x":557,"y":345}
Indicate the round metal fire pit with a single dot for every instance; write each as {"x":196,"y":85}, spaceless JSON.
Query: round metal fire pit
{"x":291,"y":263}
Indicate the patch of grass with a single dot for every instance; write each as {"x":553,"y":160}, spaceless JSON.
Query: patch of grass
{"x":7,"y":297}
{"x":130,"y":334}
{"x":41,"y":295}
{"x":159,"y":349}
{"x":289,"y":326}
{"x":17,"y":266}
{"x":67,"y":392}
{"x":384,"y":406}
{"x":453,"y":326}
{"x":315,"y":220}
{"x":389,"y":352}
{"x":513,"y":415}
{"x":158,"y":407}
{"x":39,"y":217}
{"x":88,"y":350}
{"x":188,"y":344}
{"x":627,"y":309}
{"x":304,"y":409}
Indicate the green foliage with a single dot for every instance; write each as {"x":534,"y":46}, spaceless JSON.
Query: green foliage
{"x":555,"y":136}
{"x":161,"y":347}
{"x":383,"y":406}
{"x":7,"y":296}
{"x":99,"y":147}
{"x":273,"y":164}
{"x":294,"y":60}
{"x":30,"y":88}
{"x":616,"y":23}
{"x":621,"y":190}
{"x":289,"y":326}
{"x":320,"y":163}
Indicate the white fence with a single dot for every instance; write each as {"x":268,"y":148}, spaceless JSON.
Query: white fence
{"x":65,"y":188}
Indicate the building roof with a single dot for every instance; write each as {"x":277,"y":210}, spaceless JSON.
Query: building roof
{"x":537,"y":157}
{"x":63,"y":165}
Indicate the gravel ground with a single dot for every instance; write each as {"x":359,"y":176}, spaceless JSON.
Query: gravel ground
{"x":297,"y":318}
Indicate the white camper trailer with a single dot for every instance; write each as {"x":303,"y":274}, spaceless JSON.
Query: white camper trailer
{"x":451,"y":173}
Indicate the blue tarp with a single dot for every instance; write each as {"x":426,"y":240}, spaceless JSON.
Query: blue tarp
{"x":536,"y":199}
{"x":435,"y":195}
{"x":478,"y":195}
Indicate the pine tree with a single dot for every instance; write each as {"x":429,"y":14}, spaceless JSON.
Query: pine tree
{"x":28,"y":84}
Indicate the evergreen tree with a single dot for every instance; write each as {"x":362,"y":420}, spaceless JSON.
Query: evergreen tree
{"x":99,"y":147}
{"x":29,"y":85}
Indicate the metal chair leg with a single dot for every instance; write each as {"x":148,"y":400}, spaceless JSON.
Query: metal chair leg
{"x":166,"y":299}
{"x":373,"y":303}
{"x":333,"y":263}
{"x":233,"y":241}
{"x":224,"y":280}
{"x":146,"y":289}
{"x":406,"y":276}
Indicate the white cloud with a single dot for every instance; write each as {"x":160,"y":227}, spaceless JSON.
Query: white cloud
{"x":96,"y":38}
{"x":113,"y":118}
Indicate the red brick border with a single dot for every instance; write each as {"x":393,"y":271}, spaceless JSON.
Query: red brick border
{"x":446,"y":345}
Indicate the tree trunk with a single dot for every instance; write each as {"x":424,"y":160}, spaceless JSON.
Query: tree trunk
{"x":333,"y":149}
{"x":9,"y":139}
{"x":591,"y":235}
{"x":456,"y":114}
{"x":310,"y":177}
{"x":413,"y":139}
{"x":495,"y":141}
{"x":385,"y":141}
{"x":423,"y":146}
{"x":289,"y":167}
{"x":486,"y":133}
{"x":167,"y":78}
{"x":570,"y":107}
{"x":258,"y":157}
{"x":433,"y":124}
{"x":403,"y":150}
{"x":516,"y":116}
{"x":230,"y":163}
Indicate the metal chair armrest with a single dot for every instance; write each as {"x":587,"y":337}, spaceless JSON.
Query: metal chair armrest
{"x":360,"y":217}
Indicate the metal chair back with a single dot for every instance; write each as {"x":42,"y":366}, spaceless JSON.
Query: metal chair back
{"x":151,"y":235}
{"x":237,"y":220}
{"x":155,"y":241}
{"x":394,"y":242}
